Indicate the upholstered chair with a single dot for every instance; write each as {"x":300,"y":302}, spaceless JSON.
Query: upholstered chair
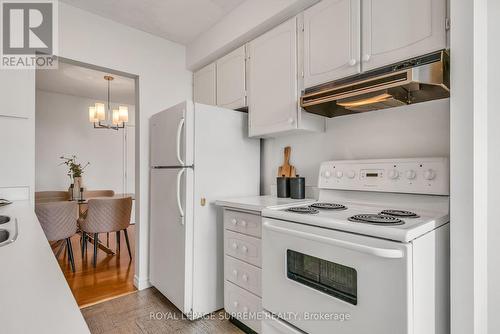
{"x":59,"y":222}
{"x":98,"y":193}
{"x":106,"y":215}
{"x":51,"y":196}
{"x":87,"y":194}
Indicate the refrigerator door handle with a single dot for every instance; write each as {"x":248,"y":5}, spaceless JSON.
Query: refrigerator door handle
{"x":179,"y":205}
{"x":179,"y":132}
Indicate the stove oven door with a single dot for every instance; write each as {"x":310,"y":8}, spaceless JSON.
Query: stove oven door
{"x":326,"y":281}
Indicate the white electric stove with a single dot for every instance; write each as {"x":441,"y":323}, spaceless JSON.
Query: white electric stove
{"x":371,"y":256}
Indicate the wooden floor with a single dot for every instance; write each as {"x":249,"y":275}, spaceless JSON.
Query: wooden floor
{"x":113,"y":276}
{"x":148,"y":311}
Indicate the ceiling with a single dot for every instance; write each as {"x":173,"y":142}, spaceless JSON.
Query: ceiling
{"x":80,"y":81}
{"x":176,"y":20}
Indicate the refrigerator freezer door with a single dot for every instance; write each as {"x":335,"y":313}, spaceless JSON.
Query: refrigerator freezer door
{"x":172,"y":136}
{"x":171,"y":235}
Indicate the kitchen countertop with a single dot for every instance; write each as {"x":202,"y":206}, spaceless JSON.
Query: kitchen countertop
{"x":34,"y":295}
{"x":259,"y":203}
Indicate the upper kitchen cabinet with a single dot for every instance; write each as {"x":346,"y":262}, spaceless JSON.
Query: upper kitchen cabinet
{"x":231,"y":76}
{"x":273,"y":86}
{"x":395,"y":30}
{"x":331,"y":37}
{"x":204,"y":82}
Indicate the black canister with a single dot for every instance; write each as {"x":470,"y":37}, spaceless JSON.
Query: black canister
{"x":283,"y":186}
{"x":298,"y":187}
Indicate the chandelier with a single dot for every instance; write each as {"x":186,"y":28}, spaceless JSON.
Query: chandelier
{"x":105,"y":118}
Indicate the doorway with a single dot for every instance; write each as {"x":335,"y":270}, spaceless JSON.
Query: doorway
{"x":86,"y":116}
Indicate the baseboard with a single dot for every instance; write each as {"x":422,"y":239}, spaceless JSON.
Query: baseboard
{"x":242,"y":326}
{"x":141,"y":284}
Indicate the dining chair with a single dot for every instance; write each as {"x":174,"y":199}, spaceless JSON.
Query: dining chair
{"x":59,"y":222}
{"x":87,"y":194}
{"x":98,"y":193}
{"x":51,"y":196}
{"x":106,"y":215}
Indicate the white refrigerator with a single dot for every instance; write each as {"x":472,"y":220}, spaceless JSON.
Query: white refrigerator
{"x":198,"y":154}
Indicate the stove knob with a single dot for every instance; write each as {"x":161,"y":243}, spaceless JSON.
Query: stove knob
{"x":393,"y":174}
{"x":339,"y":174}
{"x":410,"y":174}
{"x":351,"y":174}
{"x":327,"y":174}
{"x":429,"y":174}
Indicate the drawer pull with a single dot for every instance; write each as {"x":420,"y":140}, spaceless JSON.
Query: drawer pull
{"x":235,"y":272}
{"x":244,"y":249}
{"x":243,"y":223}
{"x":235,"y":303}
{"x":233,"y":221}
{"x":235,"y":245}
{"x":244,"y":277}
{"x":245,"y":309}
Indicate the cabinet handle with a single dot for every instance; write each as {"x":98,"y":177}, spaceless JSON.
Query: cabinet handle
{"x":352,"y":62}
{"x":244,"y":277}
{"x":244,"y":249}
{"x":233,"y":221}
{"x":235,"y":272}
{"x":243,"y":223}
{"x":235,"y":303}
{"x":235,"y":245}
{"x":366,"y":57}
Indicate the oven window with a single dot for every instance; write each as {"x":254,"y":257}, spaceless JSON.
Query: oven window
{"x":328,"y":277}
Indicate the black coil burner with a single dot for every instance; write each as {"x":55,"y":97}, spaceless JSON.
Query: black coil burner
{"x":400,"y":213}
{"x":303,"y":210}
{"x":4,"y":220}
{"x":329,"y":206}
{"x":376,"y":219}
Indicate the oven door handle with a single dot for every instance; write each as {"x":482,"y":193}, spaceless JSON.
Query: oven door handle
{"x":380,"y":252}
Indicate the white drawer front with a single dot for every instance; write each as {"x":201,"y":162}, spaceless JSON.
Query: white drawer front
{"x":271,"y":325}
{"x":243,"y":222}
{"x":242,"y":305}
{"x":243,"y":274}
{"x":243,"y":247}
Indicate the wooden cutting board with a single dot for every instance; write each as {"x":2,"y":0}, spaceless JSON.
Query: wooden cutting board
{"x":286,"y":169}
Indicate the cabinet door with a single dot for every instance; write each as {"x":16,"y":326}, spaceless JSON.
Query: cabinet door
{"x":272,"y":81}
{"x":204,"y":85}
{"x":231,"y":73}
{"x":395,"y":30}
{"x":331,"y":41}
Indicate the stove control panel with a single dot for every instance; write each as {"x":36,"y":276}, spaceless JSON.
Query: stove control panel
{"x":414,"y":175}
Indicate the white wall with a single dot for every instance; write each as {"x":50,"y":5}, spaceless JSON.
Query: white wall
{"x":467,"y":311}
{"x":62,"y":128}
{"x":163,"y":81}
{"x":418,"y":130}
{"x":491,"y":72}
{"x":247,"y":21}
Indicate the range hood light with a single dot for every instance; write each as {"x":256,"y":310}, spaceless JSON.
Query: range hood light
{"x":371,"y":100}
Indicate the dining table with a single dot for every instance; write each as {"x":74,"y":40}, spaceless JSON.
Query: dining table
{"x":82,"y":210}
